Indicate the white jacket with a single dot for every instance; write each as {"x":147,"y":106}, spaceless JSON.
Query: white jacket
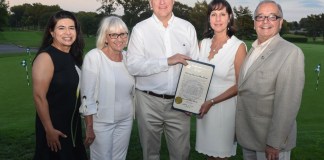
{"x":95,"y":69}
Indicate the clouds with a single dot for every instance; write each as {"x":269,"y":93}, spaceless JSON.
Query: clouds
{"x":293,"y":10}
{"x":312,"y":4}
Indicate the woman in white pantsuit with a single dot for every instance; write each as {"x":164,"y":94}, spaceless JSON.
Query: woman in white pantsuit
{"x":107,"y":93}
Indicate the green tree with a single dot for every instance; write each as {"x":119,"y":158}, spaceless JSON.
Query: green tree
{"x":244,"y":23}
{"x":89,"y":22}
{"x":293,"y":25}
{"x":181,"y":10}
{"x":135,"y":11}
{"x":18,"y":17}
{"x":15,"y":17}
{"x":321,"y":24}
{"x":3,"y":14}
{"x":107,"y":7}
{"x":198,"y":17}
{"x":48,"y":12}
{"x":312,"y":25}
{"x":303,"y":23}
{"x":35,"y":15}
{"x":284,"y":28}
{"x":36,"y":11}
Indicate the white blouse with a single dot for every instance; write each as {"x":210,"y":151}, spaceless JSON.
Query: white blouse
{"x":98,"y":84}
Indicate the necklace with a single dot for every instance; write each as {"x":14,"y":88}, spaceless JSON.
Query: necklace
{"x":216,"y":46}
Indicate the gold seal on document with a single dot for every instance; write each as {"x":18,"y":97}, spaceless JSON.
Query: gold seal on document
{"x":178,"y":100}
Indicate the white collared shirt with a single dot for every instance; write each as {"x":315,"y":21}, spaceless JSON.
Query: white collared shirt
{"x":258,"y":49}
{"x":149,"y":47}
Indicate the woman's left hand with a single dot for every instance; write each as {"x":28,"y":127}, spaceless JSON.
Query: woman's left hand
{"x":90,"y":136}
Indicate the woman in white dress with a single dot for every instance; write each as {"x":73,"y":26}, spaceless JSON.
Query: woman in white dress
{"x":216,"y":121}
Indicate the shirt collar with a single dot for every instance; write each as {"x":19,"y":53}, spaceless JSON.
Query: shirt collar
{"x":255,"y":43}
{"x":160,"y":23}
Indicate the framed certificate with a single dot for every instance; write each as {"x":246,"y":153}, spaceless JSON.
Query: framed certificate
{"x":193,"y":86}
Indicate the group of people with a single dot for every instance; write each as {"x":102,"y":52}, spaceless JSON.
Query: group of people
{"x":253,"y":98}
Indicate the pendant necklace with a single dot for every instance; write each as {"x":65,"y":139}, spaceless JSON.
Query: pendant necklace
{"x":216,"y":48}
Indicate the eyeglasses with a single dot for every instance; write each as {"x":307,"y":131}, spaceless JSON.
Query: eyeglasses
{"x":115,"y":35}
{"x":269,"y":18}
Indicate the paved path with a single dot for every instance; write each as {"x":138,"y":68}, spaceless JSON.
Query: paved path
{"x":10,"y":48}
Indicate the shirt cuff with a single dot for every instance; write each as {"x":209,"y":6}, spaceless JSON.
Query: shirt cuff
{"x":164,"y":64}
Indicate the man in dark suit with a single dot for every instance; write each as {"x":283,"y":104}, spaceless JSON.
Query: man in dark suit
{"x":270,"y":89}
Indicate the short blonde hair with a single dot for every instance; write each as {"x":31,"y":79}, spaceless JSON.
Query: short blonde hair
{"x":108,"y":25}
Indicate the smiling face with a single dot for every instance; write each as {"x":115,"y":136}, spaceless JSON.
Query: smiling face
{"x":219,"y":20}
{"x":162,"y":8}
{"x":64,"y":34}
{"x":116,"y":40}
{"x":266,"y":28}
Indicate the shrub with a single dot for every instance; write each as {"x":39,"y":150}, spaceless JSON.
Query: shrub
{"x":296,"y":39}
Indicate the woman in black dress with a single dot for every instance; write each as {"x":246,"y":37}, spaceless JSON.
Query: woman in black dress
{"x":55,"y":75}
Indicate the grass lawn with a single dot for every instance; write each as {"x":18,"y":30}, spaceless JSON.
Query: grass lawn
{"x":33,"y":39}
{"x":17,"y":110}
{"x":27,"y":39}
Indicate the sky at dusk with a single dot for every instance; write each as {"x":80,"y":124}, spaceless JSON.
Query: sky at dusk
{"x":293,"y":10}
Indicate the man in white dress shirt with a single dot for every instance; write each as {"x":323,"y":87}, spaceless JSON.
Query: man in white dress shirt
{"x":157,"y":48}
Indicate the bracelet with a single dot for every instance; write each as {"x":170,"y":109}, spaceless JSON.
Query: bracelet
{"x":212,"y":101}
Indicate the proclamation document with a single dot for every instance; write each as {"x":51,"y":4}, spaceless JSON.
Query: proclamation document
{"x":193,"y":86}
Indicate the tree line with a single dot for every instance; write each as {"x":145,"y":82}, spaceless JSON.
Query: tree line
{"x":35,"y":16}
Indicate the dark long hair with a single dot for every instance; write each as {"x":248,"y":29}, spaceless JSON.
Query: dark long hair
{"x":218,"y":5}
{"x":77,"y":46}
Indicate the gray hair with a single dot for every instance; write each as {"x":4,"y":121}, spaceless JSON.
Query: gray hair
{"x":108,"y":25}
{"x":269,"y":1}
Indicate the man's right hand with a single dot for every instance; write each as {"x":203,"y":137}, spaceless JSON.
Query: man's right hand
{"x":272,"y":153}
{"x":178,"y":58}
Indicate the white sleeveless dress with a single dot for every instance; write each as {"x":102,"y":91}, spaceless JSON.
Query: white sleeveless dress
{"x":216,"y":130}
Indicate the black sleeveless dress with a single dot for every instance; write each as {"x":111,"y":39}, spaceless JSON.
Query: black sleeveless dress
{"x":64,"y":111}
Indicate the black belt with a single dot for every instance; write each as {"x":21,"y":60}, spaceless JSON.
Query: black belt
{"x":164,"y":96}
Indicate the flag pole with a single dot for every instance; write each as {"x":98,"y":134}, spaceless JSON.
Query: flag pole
{"x":24,"y":64}
{"x":318,"y":74}
{"x":28,"y":53}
